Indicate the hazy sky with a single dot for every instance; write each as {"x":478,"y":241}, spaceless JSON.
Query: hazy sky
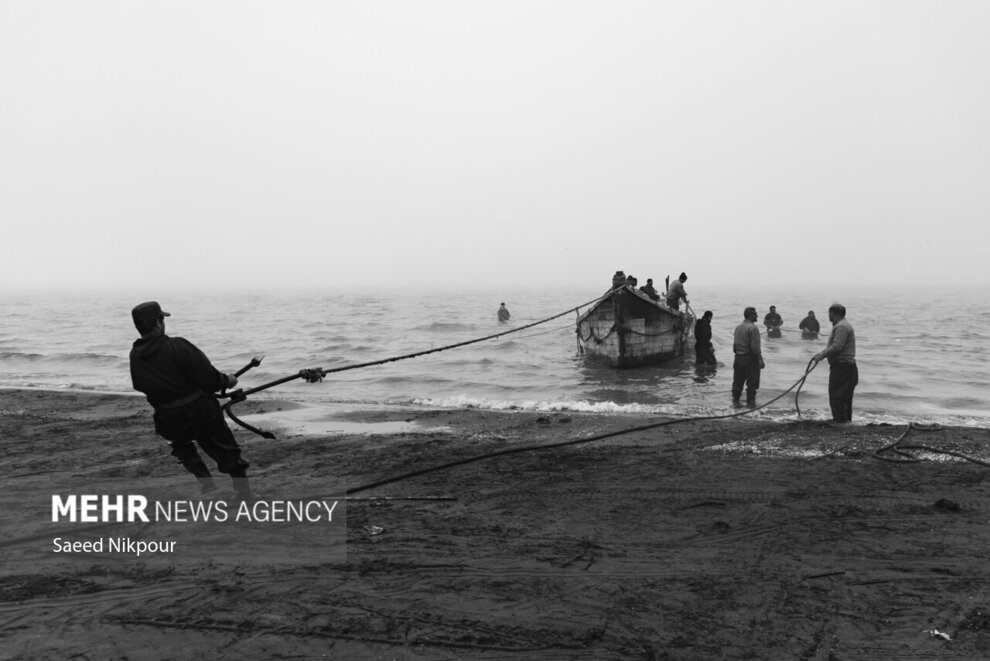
{"x":493,"y":144}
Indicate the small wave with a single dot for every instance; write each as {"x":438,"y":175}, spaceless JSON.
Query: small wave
{"x":343,"y":346}
{"x":462,"y":401}
{"x":336,"y":348}
{"x":411,"y":379}
{"x":466,"y":362}
{"x":25,"y":357}
{"x":444,"y":326}
{"x":335,"y":361}
{"x":70,"y":358}
{"x":784,"y":414}
{"x":963,"y":403}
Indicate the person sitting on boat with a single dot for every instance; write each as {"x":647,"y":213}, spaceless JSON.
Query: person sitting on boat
{"x":773,"y":322}
{"x":809,"y":326}
{"x":503,"y":313}
{"x":631,"y":280}
{"x":650,"y":290}
{"x":618,"y":280}
{"x":676,"y":292}
{"x":704,"y":352}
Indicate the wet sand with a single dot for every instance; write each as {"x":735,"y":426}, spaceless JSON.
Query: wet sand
{"x":699,"y":540}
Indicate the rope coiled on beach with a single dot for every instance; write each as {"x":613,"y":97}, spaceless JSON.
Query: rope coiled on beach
{"x":907,"y":458}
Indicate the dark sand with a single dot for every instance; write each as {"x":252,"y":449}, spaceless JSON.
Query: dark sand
{"x":735,"y":539}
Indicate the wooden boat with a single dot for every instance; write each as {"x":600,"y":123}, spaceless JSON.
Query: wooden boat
{"x":629,"y":329}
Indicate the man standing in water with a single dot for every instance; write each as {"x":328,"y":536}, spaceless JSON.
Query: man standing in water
{"x":773,"y":322}
{"x":809,"y":326}
{"x":704,"y":352}
{"x":748,"y":360}
{"x":503,"y":313}
{"x":178,"y":381}
{"x":843,"y":374}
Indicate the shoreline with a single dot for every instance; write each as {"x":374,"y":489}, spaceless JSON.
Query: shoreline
{"x":508,"y":535}
{"x":326,"y":417}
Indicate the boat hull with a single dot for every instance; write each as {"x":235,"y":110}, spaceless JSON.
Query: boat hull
{"x":628,"y":329}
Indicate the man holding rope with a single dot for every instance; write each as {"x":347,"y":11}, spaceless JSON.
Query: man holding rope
{"x":843,"y":375}
{"x":178,"y":381}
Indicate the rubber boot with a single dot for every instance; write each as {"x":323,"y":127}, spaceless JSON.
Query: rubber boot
{"x":243,"y":490}
{"x":193,"y":463}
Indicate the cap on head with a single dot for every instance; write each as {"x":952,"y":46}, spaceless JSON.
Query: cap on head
{"x":147,"y":313}
{"x":682,"y":277}
{"x":707,"y":315}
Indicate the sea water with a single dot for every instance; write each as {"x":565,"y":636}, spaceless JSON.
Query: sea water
{"x":923,"y":357}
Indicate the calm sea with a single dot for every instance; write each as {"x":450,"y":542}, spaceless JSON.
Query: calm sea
{"x":923,"y":356}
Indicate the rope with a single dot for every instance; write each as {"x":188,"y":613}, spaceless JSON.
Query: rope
{"x":531,"y":448}
{"x":892,"y":447}
{"x":312,"y":375}
{"x":680,"y":328}
{"x":546,"y":332}
{"x":908,"y":458}
{"x":807,"y":370}
{"x":791,"y":330}
{"x":464,"y":343}
{"x":591,"y":333}
{"x":317,"y":374}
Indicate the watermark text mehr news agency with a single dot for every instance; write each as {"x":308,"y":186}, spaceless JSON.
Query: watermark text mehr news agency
{"x":93,"y":508}
{"x":132,"y":508}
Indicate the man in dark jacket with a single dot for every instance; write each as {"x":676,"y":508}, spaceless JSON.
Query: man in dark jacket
{"x":650,"y":290}
{"x":704,"y":352}
{"x":773,"y":321}
{"x":178,"y":381}
{"x":809,"y":326}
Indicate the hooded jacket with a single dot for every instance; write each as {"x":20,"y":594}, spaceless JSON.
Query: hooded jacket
{"x":703,"y":330}
{"x":167,"y":368}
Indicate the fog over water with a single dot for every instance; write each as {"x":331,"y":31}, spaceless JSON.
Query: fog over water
{"x":249,"y":144}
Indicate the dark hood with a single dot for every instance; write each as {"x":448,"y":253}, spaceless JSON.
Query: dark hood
{"x":148,"y":345}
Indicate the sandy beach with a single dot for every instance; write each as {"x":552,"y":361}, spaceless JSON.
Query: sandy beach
{"x":731,"y":539}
